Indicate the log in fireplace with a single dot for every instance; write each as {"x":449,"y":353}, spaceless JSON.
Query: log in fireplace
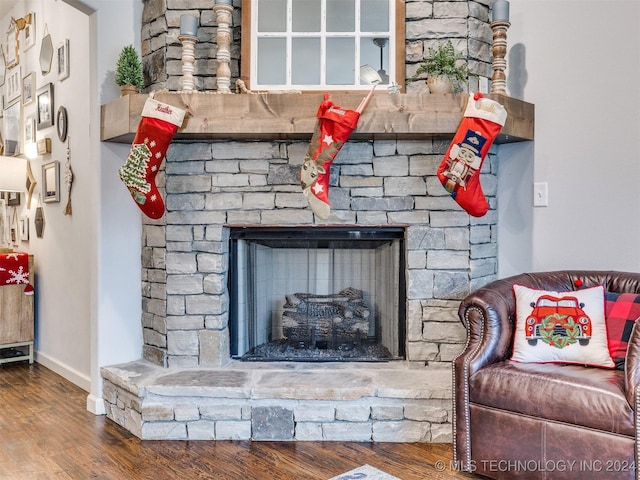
{"x":317,"y":293}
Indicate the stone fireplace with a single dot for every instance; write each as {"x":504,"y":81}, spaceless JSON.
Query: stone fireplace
{"x":188,"y":385}
{"x":213,"y":186}
{"x":235,"y":165}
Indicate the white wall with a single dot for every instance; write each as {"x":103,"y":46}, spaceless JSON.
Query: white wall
{"x":579,"y":63}
{"x":63,"y":256}
{"x":87,"y":264}
{"x":116,"y":334}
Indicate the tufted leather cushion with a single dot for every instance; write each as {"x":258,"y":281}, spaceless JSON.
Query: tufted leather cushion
{"x":591,"y":397}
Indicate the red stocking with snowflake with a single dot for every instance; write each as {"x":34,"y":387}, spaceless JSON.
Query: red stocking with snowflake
{"x":157,"y":127}
{"x":459,"y":171}
{"x":333,"y":129}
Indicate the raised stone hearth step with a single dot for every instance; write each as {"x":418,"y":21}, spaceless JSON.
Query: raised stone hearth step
{"x":342,"y":402}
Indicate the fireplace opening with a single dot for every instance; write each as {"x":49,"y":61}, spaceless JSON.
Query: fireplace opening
{"x":314,"y":294}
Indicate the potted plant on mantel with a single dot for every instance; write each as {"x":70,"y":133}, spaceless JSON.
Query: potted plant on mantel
{"x":444,"y":72}
{"x":129,"y":71}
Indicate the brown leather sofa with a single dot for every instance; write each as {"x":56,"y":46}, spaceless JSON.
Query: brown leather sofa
{"x":541,"y":421}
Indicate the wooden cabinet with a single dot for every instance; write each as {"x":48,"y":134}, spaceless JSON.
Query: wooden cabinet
{"x":17,"y":321}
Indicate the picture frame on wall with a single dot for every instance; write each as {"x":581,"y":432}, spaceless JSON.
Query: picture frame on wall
{"x":28,"y":88}
{"x":44,"y":98}
{"x":24,"y":228}
{"x":51,"y":181}
{"x":4,"y":222}
{"x":14,"y":84}
{"x":30,"y":129}
{"x":13,"y":46}
{"x":29,"y":32}
{"x":12,"y":130}
{"x":63,"y":60}
{"x":14,"y":234}
{"x":13,"y":199}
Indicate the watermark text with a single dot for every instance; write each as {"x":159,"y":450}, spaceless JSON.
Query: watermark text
{"x":578,"y":466}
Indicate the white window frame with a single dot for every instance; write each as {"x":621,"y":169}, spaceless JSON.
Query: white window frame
{"x":395,"y":51}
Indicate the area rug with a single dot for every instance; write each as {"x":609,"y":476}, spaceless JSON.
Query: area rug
{"x":365,"y":472}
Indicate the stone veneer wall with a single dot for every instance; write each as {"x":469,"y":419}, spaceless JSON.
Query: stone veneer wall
{"x":184,"y":262}
{"x":464,"y":22}
{"x":386,"y":182}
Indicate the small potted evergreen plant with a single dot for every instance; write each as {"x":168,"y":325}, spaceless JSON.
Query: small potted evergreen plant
{"x":129,"y":71}
{"x":444,"y":72}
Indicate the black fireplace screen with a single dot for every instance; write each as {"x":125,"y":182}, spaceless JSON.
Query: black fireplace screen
{"x":317,"y":294}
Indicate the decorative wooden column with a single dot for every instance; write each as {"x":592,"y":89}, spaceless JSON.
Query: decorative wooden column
{"x":499,"y":52}
{"x":188,"y":58}
{"x":223,"y":10}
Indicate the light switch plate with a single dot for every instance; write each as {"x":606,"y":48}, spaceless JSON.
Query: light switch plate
{"x":540,"y":194}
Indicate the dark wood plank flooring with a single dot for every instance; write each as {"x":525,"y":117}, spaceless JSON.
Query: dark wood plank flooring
{"x":47,"y":433}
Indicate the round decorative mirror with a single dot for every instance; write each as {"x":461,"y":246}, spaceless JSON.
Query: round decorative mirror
{"x":46,"y":54}
{"x":62,"y":124}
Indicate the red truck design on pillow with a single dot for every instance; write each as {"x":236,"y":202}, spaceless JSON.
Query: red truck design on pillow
{"x":558,"y":321}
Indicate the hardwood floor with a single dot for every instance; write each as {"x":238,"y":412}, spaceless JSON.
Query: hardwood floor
{"x":48,"y":434}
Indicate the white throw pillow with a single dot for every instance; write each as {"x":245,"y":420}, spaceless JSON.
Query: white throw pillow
{"x":561,"y":327}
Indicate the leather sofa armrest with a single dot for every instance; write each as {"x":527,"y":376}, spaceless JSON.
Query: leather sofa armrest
{"x":632,"y":366}
{"x":489,"y":317}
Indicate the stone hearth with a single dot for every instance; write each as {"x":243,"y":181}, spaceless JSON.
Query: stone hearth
{"x":388,"y":402}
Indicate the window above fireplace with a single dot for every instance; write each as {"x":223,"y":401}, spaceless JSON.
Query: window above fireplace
{"x":321,"y":44}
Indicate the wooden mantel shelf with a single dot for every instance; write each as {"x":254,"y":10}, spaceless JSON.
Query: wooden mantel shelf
{"x":273,"y":116}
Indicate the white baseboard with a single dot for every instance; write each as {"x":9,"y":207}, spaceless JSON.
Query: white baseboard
{"x":77,"y":378}
{"x":95,"y":405}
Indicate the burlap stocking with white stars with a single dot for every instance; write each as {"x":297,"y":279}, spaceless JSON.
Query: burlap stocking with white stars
{"x":334,"y":126}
